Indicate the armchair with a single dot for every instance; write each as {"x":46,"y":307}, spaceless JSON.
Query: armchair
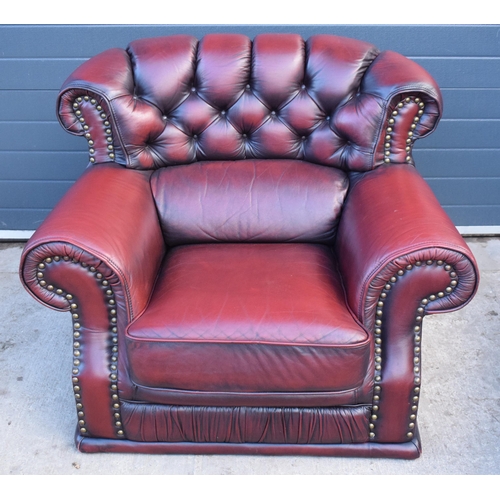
{"x":251,"y":252}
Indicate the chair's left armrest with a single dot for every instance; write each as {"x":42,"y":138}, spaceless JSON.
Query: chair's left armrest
{"x":108,"y":218}
{"x":400,"y":257}
{"x":392,"y":223}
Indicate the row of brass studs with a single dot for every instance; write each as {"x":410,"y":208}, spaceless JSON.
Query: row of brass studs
{"x":77,"y":353}
{"x":417,"y":340}
{"x":107,"y":126}
{"x":390,"y":128}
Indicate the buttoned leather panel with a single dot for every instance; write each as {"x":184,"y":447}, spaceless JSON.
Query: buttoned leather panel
{"x":205,"y":424}
{"x":174,"y":100}
{"x":249,"y":318}
{"x":249,"y":201}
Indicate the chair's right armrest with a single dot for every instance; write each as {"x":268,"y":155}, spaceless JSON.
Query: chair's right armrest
{"x":97,"y":255}
{"x":107,"y":220}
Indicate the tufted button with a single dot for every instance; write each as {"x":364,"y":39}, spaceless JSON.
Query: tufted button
{"x":195,"y":136}
{"x":222,"y":113}
{"x":303,"y":87}
{"x":193,"y":89}
{"x":273,"y":113}
{"x":164,"y":118}
{"x":303,"y":137}
{"x":244,"y":135}
{"x":247,"y":86}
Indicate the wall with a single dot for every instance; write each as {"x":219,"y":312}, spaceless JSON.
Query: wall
{"x":39,"y":161}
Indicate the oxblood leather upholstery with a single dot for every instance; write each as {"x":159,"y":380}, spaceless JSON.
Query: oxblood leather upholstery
{"x":255,"y":279}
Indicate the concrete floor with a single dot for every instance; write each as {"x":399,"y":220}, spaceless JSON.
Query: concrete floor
{"x":459,"y":415}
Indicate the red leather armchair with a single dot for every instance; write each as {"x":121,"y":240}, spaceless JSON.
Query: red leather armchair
{"x":250,"y":255}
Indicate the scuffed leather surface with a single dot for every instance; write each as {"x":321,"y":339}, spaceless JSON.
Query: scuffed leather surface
{"x":277,"y":321}
{"x":110,"y":214}
{"x":176,"y":100}
{"x":249,"y":201}
{"x":391,"y":218}
{"x":202,"y":424}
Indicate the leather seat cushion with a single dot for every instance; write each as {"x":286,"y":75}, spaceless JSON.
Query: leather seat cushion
{"x":249,"y":318}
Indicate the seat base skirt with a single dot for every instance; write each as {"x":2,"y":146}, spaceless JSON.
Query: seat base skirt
{"x":409,"y":450}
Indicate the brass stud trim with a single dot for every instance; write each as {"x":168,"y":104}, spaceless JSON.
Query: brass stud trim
{"x":78,"y":347}
{"x":378,"y":331}
{"x":77,"y":110}
{"x":392,"y":122}
{"x":414,"y":399}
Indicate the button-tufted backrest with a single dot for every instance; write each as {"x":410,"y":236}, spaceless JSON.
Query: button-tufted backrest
{"x":176,"y":100}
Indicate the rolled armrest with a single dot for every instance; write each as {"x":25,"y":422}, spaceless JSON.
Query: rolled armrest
{"x":393,"y":223}
{"x":107,"y":222}
{"x":84,"y":103}
{"x":411,"y":105}
{"x":97,"y":254}
{"x":392,"y":74}
{"x":397,"y":103}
